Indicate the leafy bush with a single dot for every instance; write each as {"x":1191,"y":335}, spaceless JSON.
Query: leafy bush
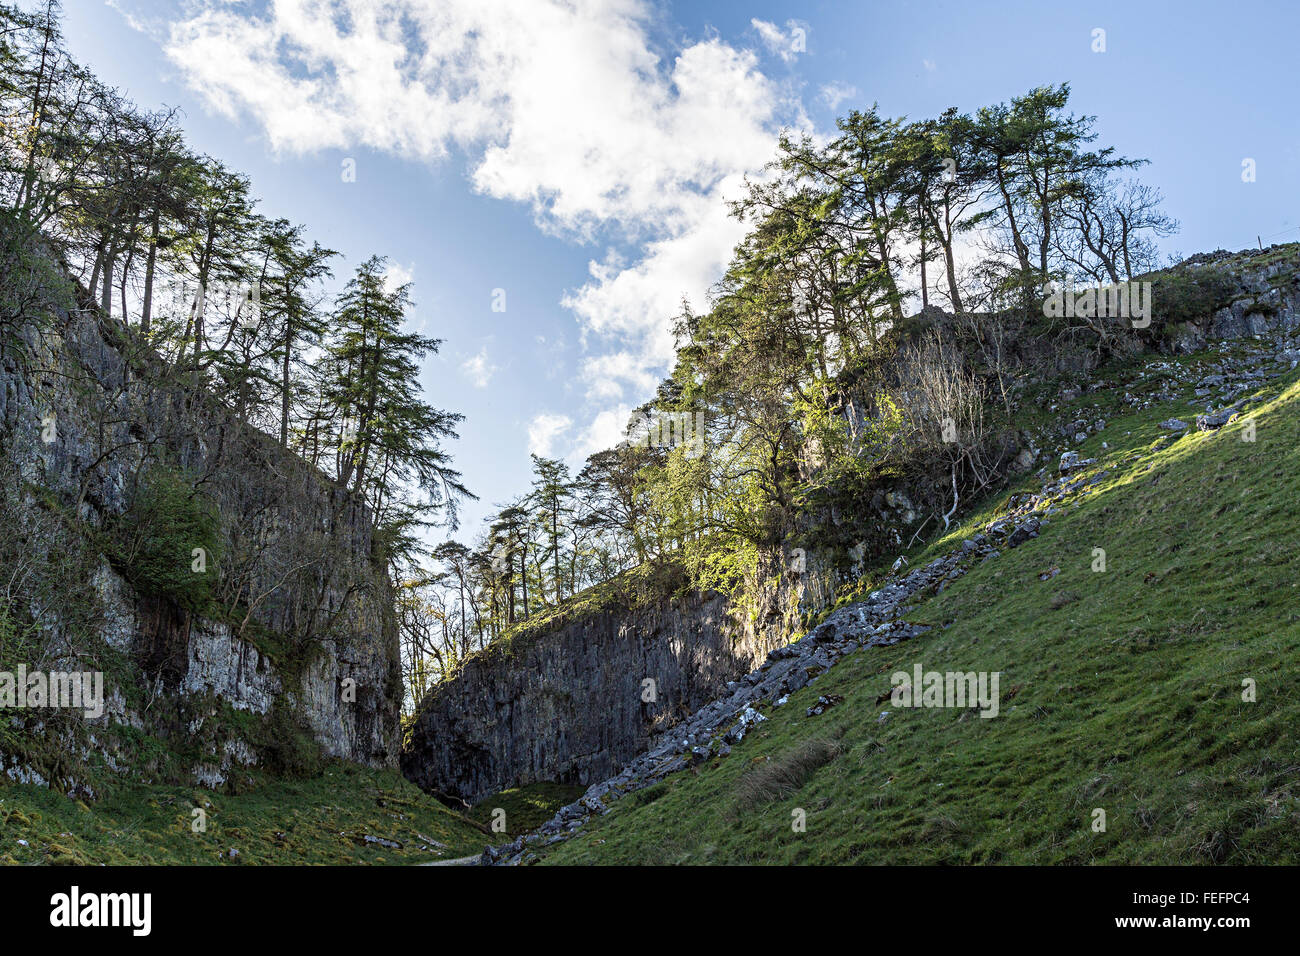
{"x":288,"y":748}
{"x":167,"y":542}
{"x":1182,"y":297}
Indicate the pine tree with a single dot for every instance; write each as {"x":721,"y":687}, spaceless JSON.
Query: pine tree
{"x":390,"y":436}
{"x":552,"y":503}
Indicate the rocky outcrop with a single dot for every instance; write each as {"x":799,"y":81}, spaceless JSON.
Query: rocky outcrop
{"x":710,"y":732}
{"x":574,"y":703}
{"x":301,"y":621}
{"x":1263,"y":298}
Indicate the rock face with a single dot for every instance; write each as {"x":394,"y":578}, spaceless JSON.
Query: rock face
{"x":1265,"y":301}
{"x":573,"y":704}
{"x":307,"y":624}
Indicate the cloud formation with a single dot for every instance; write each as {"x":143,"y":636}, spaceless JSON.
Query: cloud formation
{"x":544,"y":430}
{"x":787,"y":43}
{"x":833,"y":94}
{"x":478,"y":369}
{"x":565,"y":105}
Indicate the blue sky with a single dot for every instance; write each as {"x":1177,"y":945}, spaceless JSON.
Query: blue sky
{"x":577,"y":156}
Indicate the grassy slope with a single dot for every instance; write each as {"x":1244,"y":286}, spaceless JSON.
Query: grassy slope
{"x":525,"y":808}
{"x":1120,"y":690}
{"x":317,"y":820}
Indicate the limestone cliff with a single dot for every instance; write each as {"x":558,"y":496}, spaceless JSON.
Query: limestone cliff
{"x":573,"y":703}
{"x":294,"y":637}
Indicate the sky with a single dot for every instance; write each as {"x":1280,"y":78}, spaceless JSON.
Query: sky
{"x":552,"y":175}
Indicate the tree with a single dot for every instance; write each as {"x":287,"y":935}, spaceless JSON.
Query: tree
{"x":1034,"y":151}
{"x":510,"y":543}
{"x":551,"y":499}
{"x":215,"y":238}
{"x":1113,"y":228}
{"x":869,"y":174}
{"x":611,"y":486}
{"x":391,"y":436}
{"x":164,"y":197}
{"x":459,"y":562}
{"x":946,"y":185}
{"x":289,"y":301}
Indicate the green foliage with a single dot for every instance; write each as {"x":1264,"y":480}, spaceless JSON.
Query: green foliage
{"x":840,"y":457}
{"x":287,"y":746}
{"x":723,"y":569}
{"x":1189,"y":295}
{"x":168,"y":541}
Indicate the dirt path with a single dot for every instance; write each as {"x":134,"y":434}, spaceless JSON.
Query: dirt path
{"x":459,"y":861}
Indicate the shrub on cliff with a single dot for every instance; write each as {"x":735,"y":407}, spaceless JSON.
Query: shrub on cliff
{"x":288,"y":747}
{"x":1183,"y":296}
{"x":167,"y":542}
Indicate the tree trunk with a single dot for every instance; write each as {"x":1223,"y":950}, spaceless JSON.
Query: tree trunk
{"x":106,"y":297}
{"x":147,"y":306}
{"x":284,"y":383}
{"x":925,"y":289}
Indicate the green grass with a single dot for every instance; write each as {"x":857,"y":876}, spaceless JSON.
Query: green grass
{"x":1120,"y":690}
{"x":322,"y":820}
{"x":526,"y":808}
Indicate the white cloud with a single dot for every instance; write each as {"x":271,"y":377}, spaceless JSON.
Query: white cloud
{"x":544,"y":430}
{"x":478,"y":369}
{"x":833,"y":94}
{"x":397,"y":275}
{"x":634,"y":306}
{"x":135,"y":23}
{"x":786,"y":45}
{"x":565,"y":105}
{"x":929,"y":65}
{"x":606,"y":430}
